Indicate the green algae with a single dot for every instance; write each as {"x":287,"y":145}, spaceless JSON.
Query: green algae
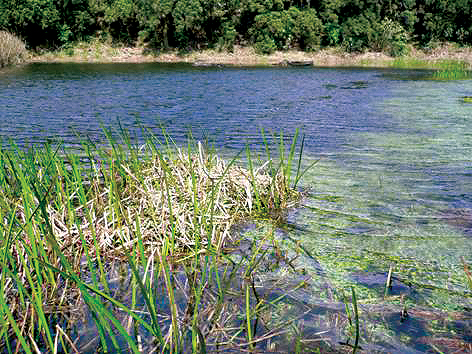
{"x":400,"y":201}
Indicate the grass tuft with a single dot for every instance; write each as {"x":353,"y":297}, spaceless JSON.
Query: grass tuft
{"x":12,"y":49}
{"x":69,"y":219}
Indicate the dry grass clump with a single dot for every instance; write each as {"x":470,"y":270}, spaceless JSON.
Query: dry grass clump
{"x":12,"y":49}
{"x":66,"y":219}
{"x":190,"y":200}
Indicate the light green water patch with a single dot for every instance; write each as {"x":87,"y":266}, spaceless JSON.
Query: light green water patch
{"x":355,"y":224}
{"x":398,"y":198}
{"x":311,"y":273}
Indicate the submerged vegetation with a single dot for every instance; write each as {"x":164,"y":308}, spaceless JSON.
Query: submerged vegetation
{"x":159,"y":216}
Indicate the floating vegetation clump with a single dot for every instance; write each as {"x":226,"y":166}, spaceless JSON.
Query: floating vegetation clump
{"x":191,"y":199}
{"x":467,"y":99}
{"x":67,"y":219}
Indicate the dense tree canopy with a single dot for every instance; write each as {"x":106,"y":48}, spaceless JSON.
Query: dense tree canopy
{"x":356,"y":25}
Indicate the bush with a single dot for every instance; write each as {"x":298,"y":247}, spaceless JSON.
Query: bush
{"x":281,"y":30}
{"x":265,"y":45}
{"x":358,"y":31}
{"x":391,"y":38}
{"x":12,"y":49}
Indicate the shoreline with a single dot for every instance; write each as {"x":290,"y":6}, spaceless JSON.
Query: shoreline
{"x":246,"y":56}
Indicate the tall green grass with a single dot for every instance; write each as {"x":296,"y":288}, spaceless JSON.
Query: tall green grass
{"x":444,"y":69}
{"x":452,"y":70}
{"x":166,"y":213}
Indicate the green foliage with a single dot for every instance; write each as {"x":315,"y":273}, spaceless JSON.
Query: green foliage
{"x":267,"y":24}
{"x":156,"y":22}
{"x":286,"y":29}
{"x":188,"y":18}
{"x":308,"y":28}
{"x":444,"y":20}
{"x":358,"y":32}
{"x":263,"y":6}
{"x":272,"y":31}
{"x":31,"y":19}
{"x":391,"y":38}
{"x":228,"y":38}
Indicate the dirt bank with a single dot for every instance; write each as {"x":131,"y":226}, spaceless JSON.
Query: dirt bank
{"x":244,"y":56}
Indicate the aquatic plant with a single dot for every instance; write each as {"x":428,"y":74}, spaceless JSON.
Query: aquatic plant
{"x":452,"y":70}
{"x":410,"y":63}
{"x":159,"y":213}
{"x":467,"y":272}
{"x":467,"y":99}
{"x":445,"y":69}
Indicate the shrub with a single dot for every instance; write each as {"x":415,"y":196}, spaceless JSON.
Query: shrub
{"x":265,"y":45}
{"x":391,"y":38}
{"x":357,"y":32}
{"x":12,"y":49}
{"x":281,"y":30}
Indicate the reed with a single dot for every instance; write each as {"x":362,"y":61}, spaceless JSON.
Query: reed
{"x":12,"y":49}
{"x":354,"y":323}
{"x":452,"y":70}
{"x":164,"y":212}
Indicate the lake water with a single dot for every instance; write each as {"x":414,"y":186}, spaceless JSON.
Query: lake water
{"x":393,"y":186}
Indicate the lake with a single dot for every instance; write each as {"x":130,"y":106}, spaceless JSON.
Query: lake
{"x":392,"y":189}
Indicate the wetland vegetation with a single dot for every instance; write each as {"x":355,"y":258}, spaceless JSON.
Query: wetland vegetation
{"x":139,"y":240}
{"x":12,"y":49}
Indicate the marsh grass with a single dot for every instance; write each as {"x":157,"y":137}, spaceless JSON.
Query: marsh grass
{"x":166,"y":214}
{"x":444,"y":69}
{"x":452,"y":70}
{"x":411,"y":63}
{"x":12,"y":49}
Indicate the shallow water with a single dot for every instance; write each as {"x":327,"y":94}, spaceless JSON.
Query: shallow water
{"x":393,"y":186}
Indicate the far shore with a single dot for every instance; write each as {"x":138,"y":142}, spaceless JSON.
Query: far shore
{"x":246,"y":56}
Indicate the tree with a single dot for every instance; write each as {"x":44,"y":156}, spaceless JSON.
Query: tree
{"x":157,"y":24}
{"x":442,"y":20}
{"x":36,"y":21}
{"x":286,"y":29}
{"x":188,"y":19}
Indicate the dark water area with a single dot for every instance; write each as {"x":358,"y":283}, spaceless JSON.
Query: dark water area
{"x":229,"y":105}
{"x":393,"y":186}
